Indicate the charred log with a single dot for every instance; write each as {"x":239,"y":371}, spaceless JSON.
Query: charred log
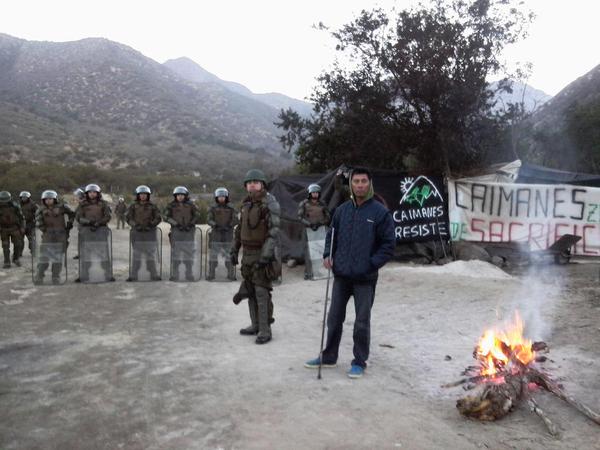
{"x":495,"y":400}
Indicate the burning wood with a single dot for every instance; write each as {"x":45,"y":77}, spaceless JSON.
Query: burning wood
{"x":507,"y":375}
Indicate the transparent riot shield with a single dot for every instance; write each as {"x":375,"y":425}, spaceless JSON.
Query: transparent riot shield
{"x":313,"y":255}
{"x":218,"y":264}
{"x":145,"y":255}
{"x":95,"y":255}
{"x":186,"y":254}
{"x":49,"y":257}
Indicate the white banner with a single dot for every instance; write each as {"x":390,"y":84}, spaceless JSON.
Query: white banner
{"x":530,"y":213}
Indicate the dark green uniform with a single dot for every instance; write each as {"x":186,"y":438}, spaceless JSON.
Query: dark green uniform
{"x":54,"y":222}
{"x":183,"y":216}
{"x":257,"y":235}
{"x":313,"y":213}
{"x":222,"y":218}
{"x":120,"y":211}
{"x":143,"y":218}
{"x":94,"y":216}
{"x":12,"y":228}
{"x":29,"y":208}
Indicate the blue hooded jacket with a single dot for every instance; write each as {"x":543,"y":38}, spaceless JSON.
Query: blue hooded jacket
{"x":364,"y":240}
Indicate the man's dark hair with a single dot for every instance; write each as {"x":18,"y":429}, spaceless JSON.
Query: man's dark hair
{"x":361,"y":171}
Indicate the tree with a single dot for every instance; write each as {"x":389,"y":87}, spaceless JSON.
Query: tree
{"x":415,"y":92}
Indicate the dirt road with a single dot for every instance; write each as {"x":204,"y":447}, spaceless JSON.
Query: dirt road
{"x":161,"y":365}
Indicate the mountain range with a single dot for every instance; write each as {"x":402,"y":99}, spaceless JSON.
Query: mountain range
{"x":101,"y":102}
{"x":191,"y":71}
{"x":564,"y":133}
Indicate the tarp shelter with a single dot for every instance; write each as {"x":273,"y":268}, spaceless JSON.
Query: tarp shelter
{"x":498,"y":173}
{"x":419,"y":200}
{"x":289,"y":192}
{"x":532,"y":174}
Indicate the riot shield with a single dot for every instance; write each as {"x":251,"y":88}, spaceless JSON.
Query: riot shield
{"x":95,"y":254}
{"x":186,"y":254}
{"x":218,"y":264}
{"x":313,"y":254}
{"x":145,"y":255}
{"x":49,"y":257}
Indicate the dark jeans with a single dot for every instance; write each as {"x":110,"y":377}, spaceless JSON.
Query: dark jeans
{"x":364,"y":295}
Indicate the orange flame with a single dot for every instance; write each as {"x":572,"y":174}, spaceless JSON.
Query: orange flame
{"x":496,"y":349}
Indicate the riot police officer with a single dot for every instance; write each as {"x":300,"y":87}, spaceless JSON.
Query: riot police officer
{"x":313,"y":214}
{"x":222,"y":218}
{"x":12,"y":228}
{"x":29,"y":208}
{"x":182,"y":214}
{"x":54,"y":220}
{"x":93,"y":215}
{"x":120,"y":211}
{"x":143,"y":217}
{"x":257,"y":235}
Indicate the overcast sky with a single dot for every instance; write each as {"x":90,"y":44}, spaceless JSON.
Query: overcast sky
{"x":270,"y":45}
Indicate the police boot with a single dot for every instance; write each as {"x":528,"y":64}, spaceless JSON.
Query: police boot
{"x":39,"y":276}
{"x":151,"y":264}
{"x":6,"y":250}
{"x":264,"y":328}
{"x":174,"y":270}
{"x":84,"y":272}
{"x":253,"y":309}
{"x":107,"y":271}
{"x":17,"y":250}
{"x":212,"y":266}
{"x":230,"y":271}
{"x":133,"y":271}
{"x":189,"y":275}
{"x":56,"y":269}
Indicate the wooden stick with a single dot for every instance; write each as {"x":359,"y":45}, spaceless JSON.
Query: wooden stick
{"x":545,"y":382}
{"x":534,"y":407}
{"x":474,"y":379}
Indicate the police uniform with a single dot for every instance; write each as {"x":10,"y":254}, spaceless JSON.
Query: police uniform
{"x":143,"y":217}
{"x":257,"y":236}
{"x":29,"y":209}
{"x":183,"y":216}
{"x":93,"y":217}
{"x":222,"y":218}
{"x":55,"y":222}
{"x":12,"y":228}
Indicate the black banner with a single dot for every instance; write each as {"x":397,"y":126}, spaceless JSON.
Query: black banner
{"x":420,"y":213}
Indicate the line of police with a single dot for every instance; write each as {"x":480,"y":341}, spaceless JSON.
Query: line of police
{"x":256,"y":233}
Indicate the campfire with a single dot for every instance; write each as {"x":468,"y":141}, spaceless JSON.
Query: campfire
{"x":508,"y":372}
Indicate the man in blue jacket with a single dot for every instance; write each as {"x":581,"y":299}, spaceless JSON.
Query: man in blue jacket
{"x":363,"y":242}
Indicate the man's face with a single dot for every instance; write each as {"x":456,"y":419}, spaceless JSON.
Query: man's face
{"x":314,"y":195}
{"x":360,"y":185}
{"x":24,"y":199}
{"x":143,"y":197}
{"x":180,"y":197}
{"x":253,"y":186}
{"x":221,"y":199}
{"x":48,"y":201}
{"x":92,"y":195}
